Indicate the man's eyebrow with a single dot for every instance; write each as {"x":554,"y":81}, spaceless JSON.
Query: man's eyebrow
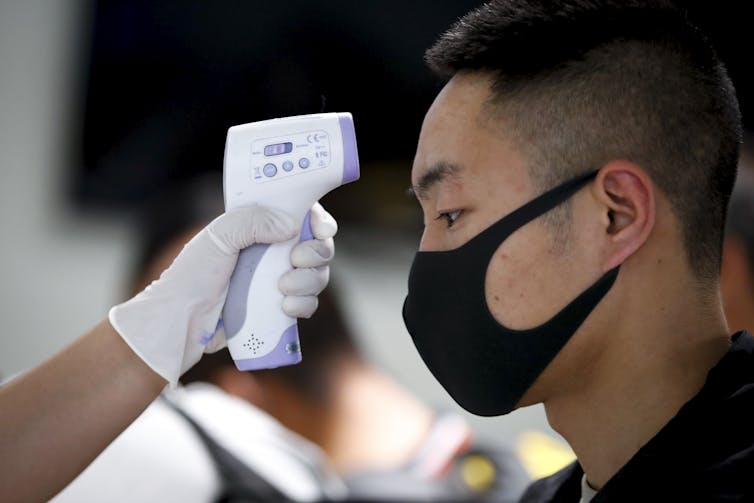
{"x":434,"y":175}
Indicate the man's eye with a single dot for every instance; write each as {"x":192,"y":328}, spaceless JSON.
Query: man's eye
{"x":450,"y":217}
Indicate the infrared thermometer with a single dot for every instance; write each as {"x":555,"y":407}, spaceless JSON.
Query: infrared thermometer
{"x":286,"y":164}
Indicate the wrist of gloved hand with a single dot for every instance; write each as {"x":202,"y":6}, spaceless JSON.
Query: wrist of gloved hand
{"x":175,"y":319}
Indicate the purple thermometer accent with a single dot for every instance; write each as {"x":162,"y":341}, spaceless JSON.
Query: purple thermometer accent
{"x":234,"y":310}
{"x":306,"y":228}
{"x":209,"y":336}
{"x":286,"y":352}
{"x":350,"y":154}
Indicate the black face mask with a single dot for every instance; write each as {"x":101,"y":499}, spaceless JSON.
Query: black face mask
{"x":483,"y":365}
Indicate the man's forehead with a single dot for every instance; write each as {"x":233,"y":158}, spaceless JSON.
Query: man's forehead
{"x":458,"y":105}
{"x":457,"y":136}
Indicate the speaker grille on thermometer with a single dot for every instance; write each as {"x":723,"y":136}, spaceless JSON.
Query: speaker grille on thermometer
{"x":253,"y":344}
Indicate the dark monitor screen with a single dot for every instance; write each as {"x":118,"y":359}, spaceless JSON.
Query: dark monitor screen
{"x":166,"y":80}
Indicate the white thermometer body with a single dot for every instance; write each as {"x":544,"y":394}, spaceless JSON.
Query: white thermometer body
{"x":287,"y":164}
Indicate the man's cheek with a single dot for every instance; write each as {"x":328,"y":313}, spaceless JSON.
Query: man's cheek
{"x":518,"y":286}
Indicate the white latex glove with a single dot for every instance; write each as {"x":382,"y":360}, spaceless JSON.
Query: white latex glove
{"x":175,"y":319}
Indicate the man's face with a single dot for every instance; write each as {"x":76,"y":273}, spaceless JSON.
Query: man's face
{"x":467,"y":175}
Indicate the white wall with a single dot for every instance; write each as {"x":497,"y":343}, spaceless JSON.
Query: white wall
{"x":57,"y":274}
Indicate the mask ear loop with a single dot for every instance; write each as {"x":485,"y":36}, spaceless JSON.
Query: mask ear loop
{"x":522,"y":215}
{"x":548,"y":200}
{"x":489,"y":240}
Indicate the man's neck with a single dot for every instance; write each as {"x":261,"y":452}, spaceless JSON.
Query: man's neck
{"x":653,"y":366}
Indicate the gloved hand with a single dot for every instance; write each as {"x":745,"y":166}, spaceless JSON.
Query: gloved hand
{"x":175,"y":319}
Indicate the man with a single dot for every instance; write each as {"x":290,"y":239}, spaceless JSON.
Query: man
{"x":737,"y":276}
{"x":599,"y":299}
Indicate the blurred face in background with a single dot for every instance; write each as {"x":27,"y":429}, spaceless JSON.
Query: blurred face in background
{"x":737,"y":273}
{"x":737,"y":284}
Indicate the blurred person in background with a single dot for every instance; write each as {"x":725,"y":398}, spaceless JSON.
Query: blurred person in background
{"x":737,"y":276}
{"x":355,"y":421}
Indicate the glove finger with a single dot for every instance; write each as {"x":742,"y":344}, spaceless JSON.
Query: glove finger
{"x":313,"y":253}
{"x":300,"y":306}
{"x":242,"y":227}
{"x":323,"y":224}
{"x":305,"y":281}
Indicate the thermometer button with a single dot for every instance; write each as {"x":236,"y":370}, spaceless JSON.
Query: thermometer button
{"x":270,"y":170}
{"x":287,"y":166}
{"x":303,"y":163}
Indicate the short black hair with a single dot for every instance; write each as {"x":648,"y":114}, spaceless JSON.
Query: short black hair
{"x":326,"y":336}
{"x":578,"y":83}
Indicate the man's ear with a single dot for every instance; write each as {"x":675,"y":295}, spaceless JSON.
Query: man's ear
{"x":241,"y":384}
{"x":627,"y":196}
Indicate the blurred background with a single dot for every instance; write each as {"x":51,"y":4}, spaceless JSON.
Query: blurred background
{"x":106,"y":105}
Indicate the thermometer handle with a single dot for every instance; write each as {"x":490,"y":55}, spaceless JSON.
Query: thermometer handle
{"x":260,"y":335}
